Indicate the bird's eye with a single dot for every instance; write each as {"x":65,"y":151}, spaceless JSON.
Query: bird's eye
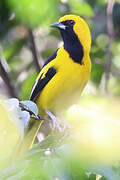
{"x":71,"y":22}
{"x":68,"y":23}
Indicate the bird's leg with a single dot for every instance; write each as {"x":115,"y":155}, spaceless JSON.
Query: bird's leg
{"x":56,"y":123}
{"x":64,"y":123}
{"x":38,"y":117}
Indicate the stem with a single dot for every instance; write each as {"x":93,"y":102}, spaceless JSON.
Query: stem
{"x":34,"y":50}
{"x":8,"y":81}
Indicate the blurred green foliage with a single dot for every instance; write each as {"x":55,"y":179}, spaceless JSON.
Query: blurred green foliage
{"x":34,"y":13}
{"x":28,"y":82}
{"x":77,"y":8}
{"x":13,"y":49}
{"x":66,"y":155}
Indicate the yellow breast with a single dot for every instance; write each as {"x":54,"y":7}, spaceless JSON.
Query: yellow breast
{"x":66,"y":86}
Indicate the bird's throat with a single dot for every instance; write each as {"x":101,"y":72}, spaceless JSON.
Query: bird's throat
{"x":73,"y":46}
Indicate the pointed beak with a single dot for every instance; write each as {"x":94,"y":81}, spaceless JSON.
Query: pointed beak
{"x":58,"y":25}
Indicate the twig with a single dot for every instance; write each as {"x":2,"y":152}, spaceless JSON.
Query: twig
{"x":8,"y":81}
{"x":114,"y":70}
{"x":34,"y":50}
{"x":111,"y":37}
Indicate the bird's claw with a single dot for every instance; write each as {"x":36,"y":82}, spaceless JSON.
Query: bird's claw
{"x":60,"y":125}
{"x":55,"y":122}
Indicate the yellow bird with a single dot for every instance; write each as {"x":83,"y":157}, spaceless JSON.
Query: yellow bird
{"x":64,"y":74}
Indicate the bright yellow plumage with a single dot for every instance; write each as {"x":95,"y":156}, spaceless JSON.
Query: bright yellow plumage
{"x":82,"y":31}
{"x":66,"y":86}
{"x":62,"y":79}
{"x":71,"y":77}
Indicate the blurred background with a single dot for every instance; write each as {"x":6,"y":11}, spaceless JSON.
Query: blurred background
{"x":26,"y":40}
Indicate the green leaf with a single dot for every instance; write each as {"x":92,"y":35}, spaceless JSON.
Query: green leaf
{"x":30,"y":106}
{"x":102,"y":41}
{"x":114,"y":85}
{"x":13,"y":49}
{"x":96,"y":73}
{"x":9,"y":133}
{"x":92,"y":177}
{"x":35,"y":13}
{"x":81,"y":8}
{"x":29,"y":81}
{"x":115,"y":48}
{"x":108,"y":172}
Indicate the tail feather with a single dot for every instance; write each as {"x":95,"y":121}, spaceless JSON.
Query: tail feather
{"x":26,"y":143}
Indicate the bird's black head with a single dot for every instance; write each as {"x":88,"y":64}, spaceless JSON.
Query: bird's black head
{"x":72,"y":26}
{"x":71,"y":42}
{"x":66,"y":29}
{"x":76,"y":36}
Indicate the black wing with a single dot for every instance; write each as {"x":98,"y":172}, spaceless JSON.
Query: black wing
{"x":41,"y":83}
{"x":52,"y":57}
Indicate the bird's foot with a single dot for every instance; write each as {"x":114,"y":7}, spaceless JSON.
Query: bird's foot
{"x":64,"y":124}
{"x":61,"y":125}
{"x":55,"y":122}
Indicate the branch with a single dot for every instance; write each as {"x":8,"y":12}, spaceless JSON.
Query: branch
{"x":110,"y":32}
{"x":6,"y":77}
{"x":37,"y":60}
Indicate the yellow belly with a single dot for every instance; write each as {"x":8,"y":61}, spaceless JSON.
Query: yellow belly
{"x":65,"y":87}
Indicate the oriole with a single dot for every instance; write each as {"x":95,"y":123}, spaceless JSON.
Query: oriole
{"x":64,"y":74}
